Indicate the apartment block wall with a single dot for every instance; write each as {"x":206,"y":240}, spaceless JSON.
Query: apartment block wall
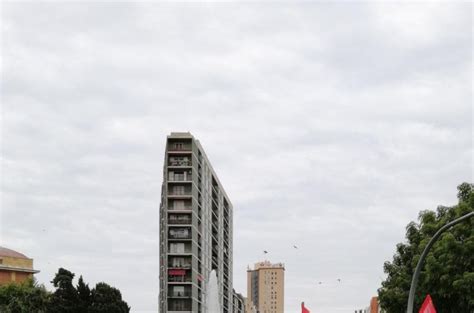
{"x":195,"y":229}
{"x":266,"y":287}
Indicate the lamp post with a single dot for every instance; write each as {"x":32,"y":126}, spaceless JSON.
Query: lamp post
{"x":414,"y":280}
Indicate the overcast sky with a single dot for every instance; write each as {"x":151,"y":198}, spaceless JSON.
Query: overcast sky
{"x":330,"y":126}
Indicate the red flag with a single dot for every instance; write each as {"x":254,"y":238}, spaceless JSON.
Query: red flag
{"x":305,"y":310}
{"x":428,"y":306}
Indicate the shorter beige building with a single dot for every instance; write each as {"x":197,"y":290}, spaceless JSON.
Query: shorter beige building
{"x":266,"y":288}
{"x":14,"y":267}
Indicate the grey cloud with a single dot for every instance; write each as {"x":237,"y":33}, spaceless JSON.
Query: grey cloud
{"x":332,"y":124}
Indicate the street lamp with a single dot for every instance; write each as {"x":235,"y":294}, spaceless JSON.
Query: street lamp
{"x":414,"y":280}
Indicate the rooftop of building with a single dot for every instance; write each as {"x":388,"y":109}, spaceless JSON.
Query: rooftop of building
{"x":13,"y":261}
{"x":188,"y":135}
{"x":5,"y":252}
{"x":180,"y":135}
{"x":268,"y":264}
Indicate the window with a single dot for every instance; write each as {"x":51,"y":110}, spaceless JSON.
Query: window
{"x":177,"y":247}
{"x":179,"y":204}
{"x":178,"y":190}
{"x":178,"y":290}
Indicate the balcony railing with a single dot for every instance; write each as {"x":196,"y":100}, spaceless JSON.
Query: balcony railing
{"x":180,"y":208}
{"x":179,"y":279}
{"x":180,"y":294}
{"x":180,"y":265}
{"x":180,"y":309}
{"x":178,"y":162}
{"x":179,"y":193}
{"x":180,"y":233}
{"x":176,"y":251}
{"x":180,"y":236}
{"x":179,"y":147}
{"x":180,"y":221}
{"x":180,"y":178}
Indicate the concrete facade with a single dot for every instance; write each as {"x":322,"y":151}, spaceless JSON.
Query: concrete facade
{"x":14,"y":267}
{"x":239,"y":303}
{"x":195,"y":230}
{"x":266,"y":288}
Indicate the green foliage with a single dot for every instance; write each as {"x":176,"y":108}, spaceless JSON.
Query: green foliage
{"x":106,"y":299}
{"x":448,"y":273}
{"x":27,"y":297}
{"x":64,"y":299}
{"x":32,"y":298}
{"x":80,"y":299}
{"x":83,"y":296}
{"x":465,"y":191}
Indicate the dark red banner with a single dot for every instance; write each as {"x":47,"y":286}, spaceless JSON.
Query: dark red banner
{"x":177,"y":272}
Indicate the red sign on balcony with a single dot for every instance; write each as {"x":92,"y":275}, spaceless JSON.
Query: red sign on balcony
{"x":177,"y":272}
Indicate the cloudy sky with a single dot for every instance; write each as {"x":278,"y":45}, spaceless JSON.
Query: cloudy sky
{"x":329,"y":125}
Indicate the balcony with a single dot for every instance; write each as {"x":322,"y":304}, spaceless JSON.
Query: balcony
{"x":182,"y":208}
{"x":180,"y":221}
{"x":180,"y":248}
{"x":180,"y":265}
{"x":180,"y":162}
{"x":179,"y":195}
{"x":180,"y":294}
{"x":180,"y":191}
{"x":179,"y":276}
{"x":179,"y":306}
{"x":180,"y":178}
{"x":180,"y":233}
{"x":183,"y":150}
{"x":180,"y":237}
{"x":177,"y":291}
{"x":179,"y":279}
{"x":179,"y":145}
{"x":179,"y":205}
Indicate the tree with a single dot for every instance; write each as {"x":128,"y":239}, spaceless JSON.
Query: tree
{"x":84,"y":296}
{"x":448,"y":274}
{"x":27,"y":297}
{"x":106,"y":299}
{"x":65,"y":298}
{"x":69,"y":299}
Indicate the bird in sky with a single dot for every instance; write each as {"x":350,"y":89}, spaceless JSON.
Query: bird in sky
{"x":265,"y":251}
{"x":339,"y":280}
{"x":320,"y":282}
{"x":295,"y":247}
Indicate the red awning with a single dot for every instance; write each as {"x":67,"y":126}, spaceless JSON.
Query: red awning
{"x":177,"y":272}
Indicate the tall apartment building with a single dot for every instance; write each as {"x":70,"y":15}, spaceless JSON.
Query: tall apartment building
{"x":266,"y":288}
{"x":239,"y":303}
{"x":195,"y":230}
